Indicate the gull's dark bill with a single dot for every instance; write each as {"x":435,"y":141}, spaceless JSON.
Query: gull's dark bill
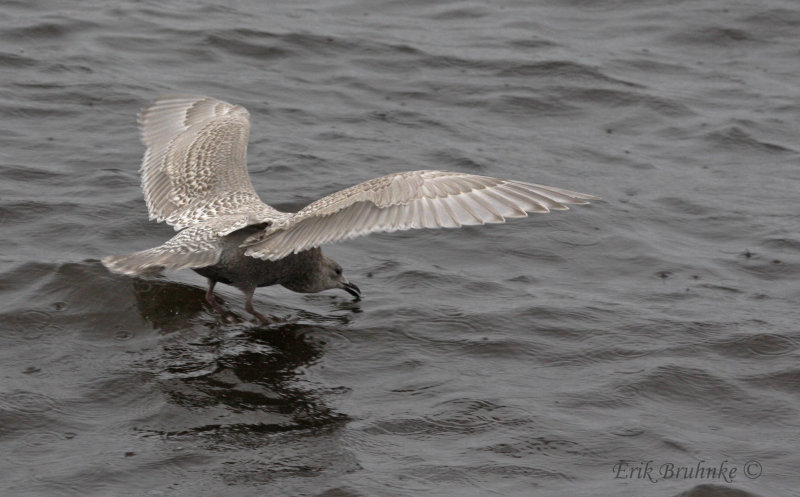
{"x":353,"y":290}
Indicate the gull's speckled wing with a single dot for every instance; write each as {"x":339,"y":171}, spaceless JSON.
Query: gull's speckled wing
{"x":195,"y":166}
{"x":415,"y":199}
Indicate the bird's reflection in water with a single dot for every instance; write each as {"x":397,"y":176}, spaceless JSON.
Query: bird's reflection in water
{"x":229,"y":380}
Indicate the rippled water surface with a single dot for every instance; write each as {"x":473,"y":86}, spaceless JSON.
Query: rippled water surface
{"x":548,"y":356}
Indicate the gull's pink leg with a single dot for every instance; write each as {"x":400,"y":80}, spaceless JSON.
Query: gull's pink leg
{"x":211,"y":298}
{"x":248,"y":306}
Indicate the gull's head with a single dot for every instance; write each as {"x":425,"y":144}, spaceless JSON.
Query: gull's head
{"x":333,"y":277}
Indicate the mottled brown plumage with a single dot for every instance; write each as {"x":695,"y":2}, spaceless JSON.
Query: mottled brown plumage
{"x":194,"y":177}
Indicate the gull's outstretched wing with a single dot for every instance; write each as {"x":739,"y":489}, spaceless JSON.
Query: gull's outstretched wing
{"x":195,"y":166}
{"x":415,"y":199}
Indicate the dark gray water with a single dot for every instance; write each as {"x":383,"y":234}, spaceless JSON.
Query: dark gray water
{"x":549,"y":356}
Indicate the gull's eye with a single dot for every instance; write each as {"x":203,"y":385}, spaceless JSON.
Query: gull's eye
{"x":338,"y":271}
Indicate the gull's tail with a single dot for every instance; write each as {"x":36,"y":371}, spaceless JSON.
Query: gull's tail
{"x":196,"y":246}
{"x":156,"y":259}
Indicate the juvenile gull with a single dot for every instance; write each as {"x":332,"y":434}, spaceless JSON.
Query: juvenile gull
{"x":194,"y":177}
